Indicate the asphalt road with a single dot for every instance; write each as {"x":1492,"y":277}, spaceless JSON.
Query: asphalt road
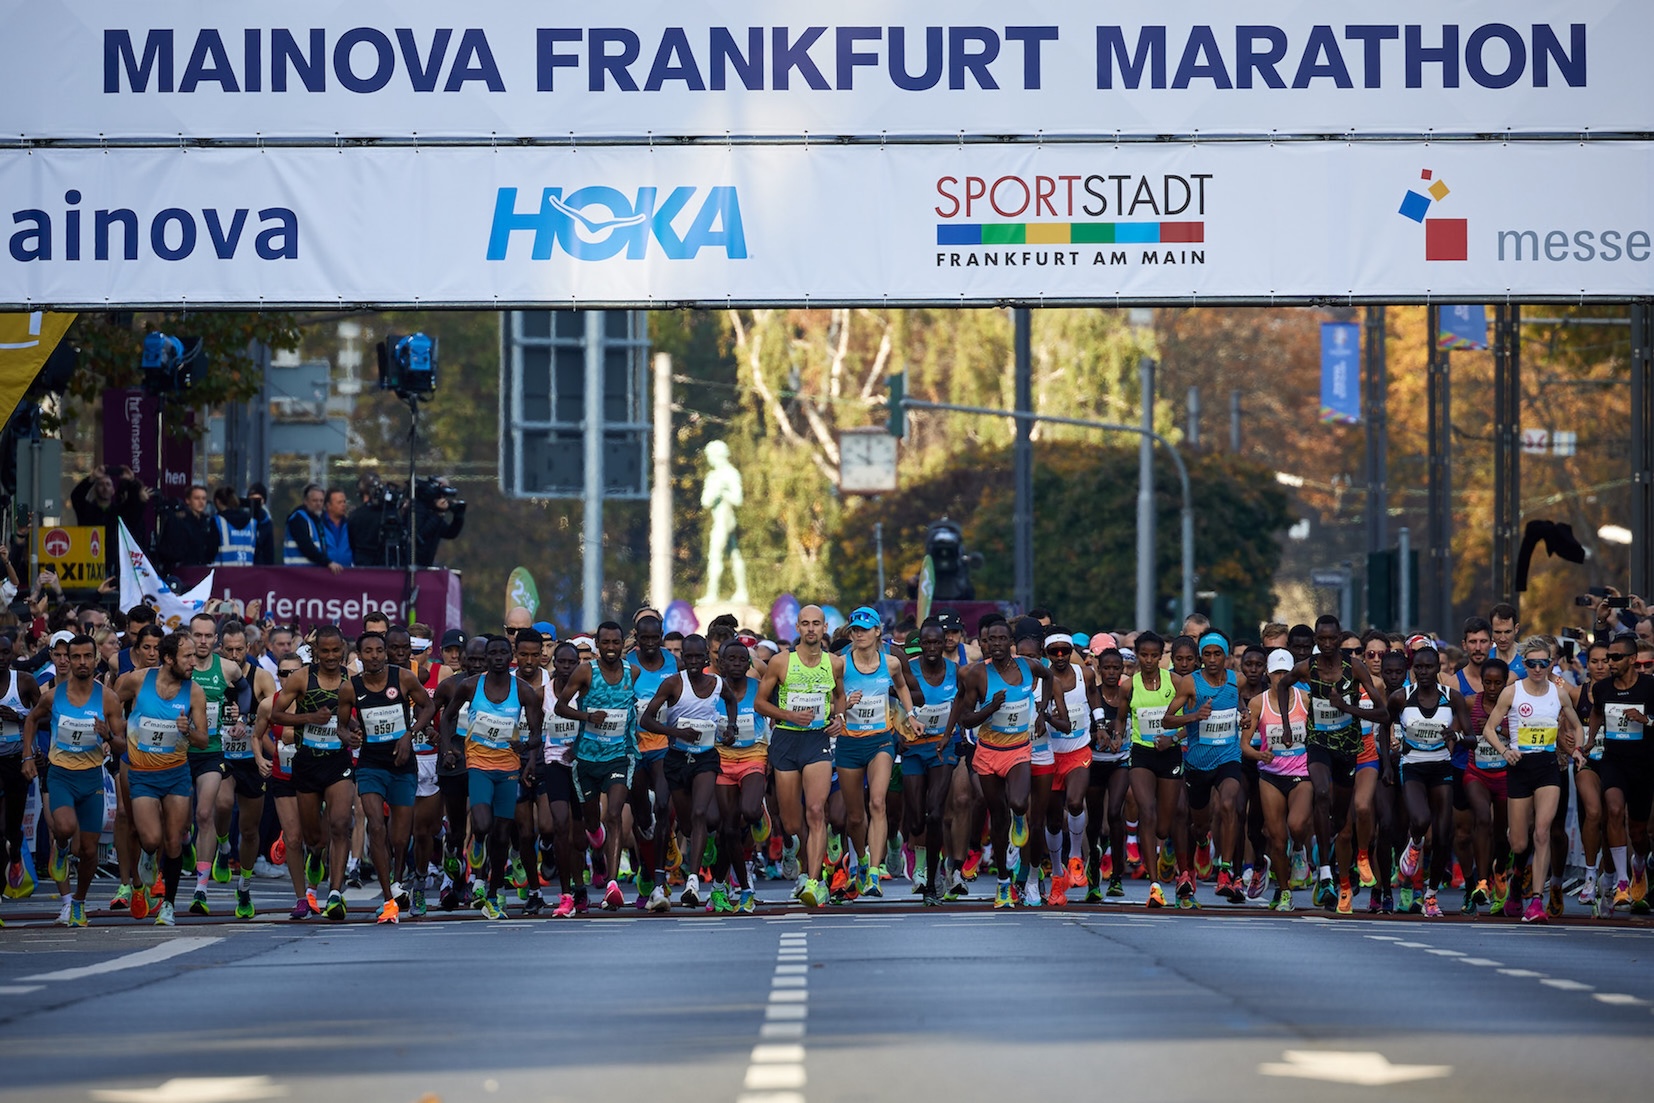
{"x":868,"y":1002}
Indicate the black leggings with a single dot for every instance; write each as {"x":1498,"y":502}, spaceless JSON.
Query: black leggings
{"x":14,"y":794}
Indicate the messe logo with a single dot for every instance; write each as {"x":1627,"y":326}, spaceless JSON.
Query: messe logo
{"x":599,"y":222}
{"x":1444,"y":238}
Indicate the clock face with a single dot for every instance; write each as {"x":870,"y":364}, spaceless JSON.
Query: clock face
{"x":867,"y":463}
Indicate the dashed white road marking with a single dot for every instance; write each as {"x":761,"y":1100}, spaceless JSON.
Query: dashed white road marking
{"x":776,"y":1072}
{"x":157,"y":953}
{"x":1567,"y":985}
{"x":1619,"y":999}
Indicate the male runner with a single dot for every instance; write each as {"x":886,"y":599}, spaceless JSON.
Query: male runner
{"x":690,"y":700}
{"x":997,"y":696}
{"x":242,"y":777}
{"x":443,"y":786}
{"x":1621,"y":707}
{"x":312,"y":717}
{"x":528,"y":652}
{"x":743,"y":758}
{"x":1540,"y":721}
{"x":166,"y":713}
{"x":20,"y":696}
{"x":555,"y":791}
{"x":1335,"y":682}
{"x":214,"y":801}
{"x":85,"y":717}
{"x":928,"y":758}
{"x":1503,"y":628}
{"x":865,"y":754}
{"x":606,"y":753}
{"x":1110,"y":777}
{"x":802,"y":695}
{"x":1071,"y":751}
{"x":649,"y":791}
{"x":383,"y":698}
{"x":495,"y":754}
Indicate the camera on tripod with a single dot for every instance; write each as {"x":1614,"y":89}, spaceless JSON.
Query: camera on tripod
{"x":407,"y":365}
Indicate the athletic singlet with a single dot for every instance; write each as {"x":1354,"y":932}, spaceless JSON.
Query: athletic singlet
{"x":237,"y":738}
{"x":616,"y":737}
{"x":320,"y":738}
{"x":493,"y":724}
{"x":1488,"y":760}
{"x":1534,"y":719}
{"x":1334,"y":728}
{"x":1012,"y":723}
{"x":933,"y":714}
{"x":213,"y":686}
{"x":543,"y":683}
{"x":153,"y":741}
{"x":75,"y":745}
{"x":1111,"y":715}
{"x":697,"y":713}
{"x":1148,"y":709}
{"x":751,"y":730}
{"x":281,"y":763}
{"x":1621,"y":738}
{"x":870,"y":715}
{"x":11,"y":731}
{"x":1424,"y":738}
{"x":1078,"y":737}
{"x":644,"y":687}
{"x":1291,"y":760}
{"x":806,"y":687}
{"x":1215,"y":741}
{"x":560,"y":732}
{"x":385,"y":716}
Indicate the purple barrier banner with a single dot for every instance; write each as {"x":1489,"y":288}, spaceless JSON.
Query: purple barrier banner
{"x":308,"y":596}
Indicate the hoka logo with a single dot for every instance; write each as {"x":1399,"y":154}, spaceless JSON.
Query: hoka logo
{"x":598,"y":222}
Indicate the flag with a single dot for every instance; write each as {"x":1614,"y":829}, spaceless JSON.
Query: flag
{"x":1341,"y":373}
{"x":26,"y":340}
{"x":140,"y":583}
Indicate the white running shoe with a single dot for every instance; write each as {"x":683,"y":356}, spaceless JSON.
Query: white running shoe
{"x":146,"y":868}
{"x":691,"y":897}
{"x":62,"y":919}
{"x":798,"y":889}
{"x":163,"y":915}
{"x":1030,"y":893}
{"x":789,"y":866}
{"x":659,"y":901}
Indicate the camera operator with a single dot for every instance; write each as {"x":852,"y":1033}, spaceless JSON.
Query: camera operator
{"x":439,"y":514}
{"x":368,"y":521}
{"x":264,"y":546}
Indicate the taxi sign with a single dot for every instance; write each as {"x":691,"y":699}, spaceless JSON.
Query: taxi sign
{"x":75,"y":552}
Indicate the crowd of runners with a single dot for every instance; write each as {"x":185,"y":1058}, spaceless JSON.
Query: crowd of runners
{"x":1028,"y":763}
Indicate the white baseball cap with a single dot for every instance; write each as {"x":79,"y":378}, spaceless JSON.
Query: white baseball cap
{"x":1280,"y":659}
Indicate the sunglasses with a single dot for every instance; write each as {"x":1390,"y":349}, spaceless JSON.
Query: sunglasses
{"x":1616,"y":657}
{"x":1645,"y":664}
{"x":1059,"y":652}
{"x":1374,"y":654}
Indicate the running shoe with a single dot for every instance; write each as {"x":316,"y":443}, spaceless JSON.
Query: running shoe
{"x":1588,"y":891}
{"x":1432,"y":907}
{"x":1057,"y":894}
{"x":564,"y":908}
{"x":718,"y":902}
{"x":1157,"y":899}
{"x":221,"y":867}
{"x":1457,"y":880}
{"x":1346,"y":898}
{"x":163,"y":915}
{"x":930,"y":900}
{"x":1105,"y":868}
{"x":835,"y":847}
{"x":1364,"y":867}
{"x":1168,"y":861}
{"x":400,"y":895}
{"x":659,"y":903}
{"x":57,"y":865}
{"x":1535,"y":912}
{"x":1325,"y":895}
{"x":748,"y":904}
{"x":448,"y":898}
{"x":198,"y":903}
{"x":1375,"y":902}
{"x":244,"y":904}
{"x":1186,"y":890}
{"x":956,"y":886}
{"x":691,"y":897}
{"x":1134,"y":853}
{"x":871,"y":882}
{"x":1641,"y":907}
{"x":388,"y":913}
{"x":1029,"y":892}
{"x":315,"y":868}
{"x":813,"y":894}
{"x":491,"y":907}
{"x":1115,"y":888}
{"x":535,"y":904}
{"x":1258,"y":881}
{"x":789,"y":862}
{"x":477,"y":856}
{"x":335,"y":909}
{"x":1410,"y":859}
{"x":122,"y":900}
{"x":1622,"y":896}
{"x":515,"y":875}
{"x":1469,"y":905}
{"x":19,"y":881}
{"x":1513,"y":906}
{"x":1554,"y":902}
{"x":416,"y":904}
{"x":1388,"y":905}
{"x":1300,"y":870}
{"x":1639,"y":879}
{"x":1076,"y":874}
{"x":189,"y":854}
{"x":140,"y":904}
{"x":613,"y":898}
{"x":1094,"y":893}
{"x":479,"y":893}
{"x":919,"y":883}
{"x":1223,"y":884}
{"x":1003,"y":898}
{"x":973,"y":864}
{"x":1019,"y":831}
{"x":450,"y":865}
{"x":582,"y":900}
{"x":760,"y":831}
{"x":301,"y":910}
{"x":1282,"y":901}
{"x":1480,"y":895}
{"x":1203,"y":859}
{"x":77,"y":913}
{"x":1406,"y":898}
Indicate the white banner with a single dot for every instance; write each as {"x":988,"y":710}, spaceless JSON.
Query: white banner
{"x":826,"y":224}
{"x":317,"y":69}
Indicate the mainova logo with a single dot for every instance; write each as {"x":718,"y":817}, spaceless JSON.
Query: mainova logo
{"x":1444,"y":238}
{"x":598,"y":222}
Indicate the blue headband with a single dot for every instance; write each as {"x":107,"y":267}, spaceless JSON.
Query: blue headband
{"x":1211,"y":638}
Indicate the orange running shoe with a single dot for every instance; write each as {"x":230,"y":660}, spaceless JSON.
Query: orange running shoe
{"x":310,"y":898}
{"x":1076,"y":874}
{"x":1157,"y":899}
{"x":1364,"y":867}
{"x":388,"y":913}
{"x":1105,"y":867}
{"x":140,"y":903}
{"x":1057,"y":897}
{"x":1346,"y":897}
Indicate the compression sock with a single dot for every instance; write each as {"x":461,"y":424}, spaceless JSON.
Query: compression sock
{"x":172,"y":868}
{"x":1076,"y":834}
{"x":203,"y":874}
{"x":1053,"y":848}
{"x":1621,"y":870}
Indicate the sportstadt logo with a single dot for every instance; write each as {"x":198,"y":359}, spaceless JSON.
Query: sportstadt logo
{"x":1444,"y":238}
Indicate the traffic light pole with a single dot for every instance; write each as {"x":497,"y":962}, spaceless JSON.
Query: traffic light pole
{"x":1188,"y":518}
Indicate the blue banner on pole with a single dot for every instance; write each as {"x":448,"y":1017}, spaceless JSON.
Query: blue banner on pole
{"x":1341,"y":373}
{"x":1463,"y":327}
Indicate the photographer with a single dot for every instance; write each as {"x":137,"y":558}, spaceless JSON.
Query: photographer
{"x":439,"y":514}
{"x":368,"y":521}
{"x":108,"y":494}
